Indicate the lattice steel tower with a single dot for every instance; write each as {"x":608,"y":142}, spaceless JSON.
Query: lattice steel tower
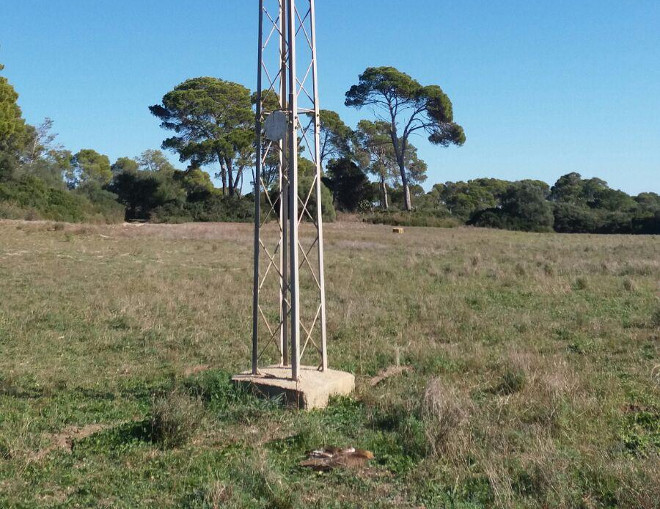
{"x":289,"y":315}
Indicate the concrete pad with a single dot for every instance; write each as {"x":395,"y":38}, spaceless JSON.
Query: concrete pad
{"x":312,"y":390}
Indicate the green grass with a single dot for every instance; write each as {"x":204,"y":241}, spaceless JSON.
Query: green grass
{"x":534,"y":379}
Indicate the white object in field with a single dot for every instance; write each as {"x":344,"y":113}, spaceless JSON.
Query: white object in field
{"x":276,"y":126}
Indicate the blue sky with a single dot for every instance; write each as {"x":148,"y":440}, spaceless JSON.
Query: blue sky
{"x":541,"y":87}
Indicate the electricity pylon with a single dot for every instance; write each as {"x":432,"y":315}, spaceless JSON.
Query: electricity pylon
{"x":289,"y":314}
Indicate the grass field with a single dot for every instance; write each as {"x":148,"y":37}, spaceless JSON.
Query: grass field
{"x":533,"y":378}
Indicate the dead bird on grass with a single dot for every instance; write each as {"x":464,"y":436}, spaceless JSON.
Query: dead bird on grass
{"x":329,"y":458}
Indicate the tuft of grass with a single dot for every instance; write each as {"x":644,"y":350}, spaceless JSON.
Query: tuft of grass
{"x":5,"y":449}
{"x":511,"y":381}
{"x":581,"y":283}
{"x":446,"y":415}
{"x":175,"y":418}
{"x":655,"y":318}
{"x":629,"y":285}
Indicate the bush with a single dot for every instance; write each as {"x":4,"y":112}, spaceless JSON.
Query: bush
{"x":328,"y":209}
{"x":37,"y":200}
{"x":218,"y":208}
{"x":175,"y":418}
{"x":429,"y":218}
{"x":570,"y":218}
{"x":171,"y":213}
{"x":101,"y":202}
{"x":139,"y":192}
{"x":524,"y":208}
{"x":10,"y":210}
{"x":349,"y":185}
{"x":647,"y":225}
{"x":615,"y":223}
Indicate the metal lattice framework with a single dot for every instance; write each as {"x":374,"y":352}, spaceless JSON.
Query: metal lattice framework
{"x":289,"y":315}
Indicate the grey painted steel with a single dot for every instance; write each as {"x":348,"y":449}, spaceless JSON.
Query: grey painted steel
{"x":284,"y":199}
{"x":257,"y":205}
{"x":276,"y":126}
{"x":302,"y":318}
{"x":292,"y":165}
{"x":319,"y":212}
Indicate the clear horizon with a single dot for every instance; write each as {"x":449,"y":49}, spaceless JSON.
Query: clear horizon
{"x":541,"y":90}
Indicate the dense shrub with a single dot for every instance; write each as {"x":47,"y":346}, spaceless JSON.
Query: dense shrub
{"x":571,"y":218}
{"x":463,"y":199}
{"x":214,"y":207}
{"x":429,"y":218}
{"x":523,"y":208}
{"x":34,"y":189}
{"x":328,"y":209}
{"x":349,"y":185}
{"x":103,"y":202}
{"x":615,"y":222}
{"x":647,"y":225}
{"x":39,"y":201}
{"x":218,"y":208}
{"x":171,"y":213}
{"x":140,"y":193}
{"x":8,"y":166}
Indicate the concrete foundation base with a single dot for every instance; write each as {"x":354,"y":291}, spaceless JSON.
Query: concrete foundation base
{"x":312,"y":390}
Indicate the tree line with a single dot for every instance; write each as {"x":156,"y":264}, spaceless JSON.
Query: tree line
{"x":373,"y":169}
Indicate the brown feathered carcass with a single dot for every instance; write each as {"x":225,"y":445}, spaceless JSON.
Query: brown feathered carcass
{"x":328,"y":458}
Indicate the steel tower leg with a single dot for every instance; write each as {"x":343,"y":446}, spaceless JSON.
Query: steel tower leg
{"x":319,"y":212}
{"x":284,"y":197}
{"x":288,"y":69}
{"x":257,"y":203}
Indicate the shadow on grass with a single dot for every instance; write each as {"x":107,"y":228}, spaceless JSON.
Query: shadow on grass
{"x":117,"y":439}
{"x":7,"y":388}
{"x":227,"y":401}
